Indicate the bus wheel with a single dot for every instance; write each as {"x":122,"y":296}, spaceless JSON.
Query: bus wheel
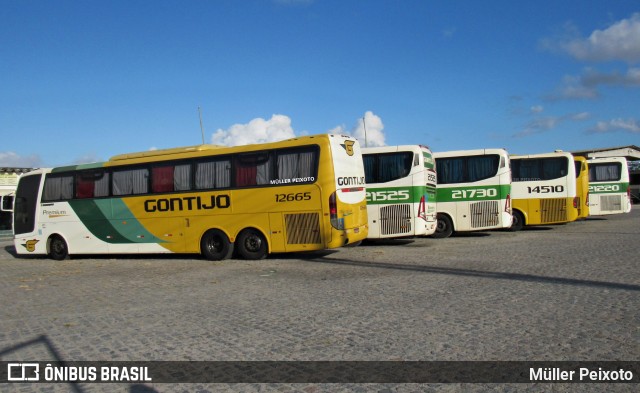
{"x":251,"y":244}
{"x":518,"y":221}
{"x":444,"y":227}
{"x":58,"y":248}
{"x":215,"y":245}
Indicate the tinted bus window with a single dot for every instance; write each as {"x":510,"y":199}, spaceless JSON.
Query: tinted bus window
{"x":25,"y":204}
{"x":382,"y":168}
{"x":453,"y":170}
{"x":605,"y":172}
{"x":534,"y":169}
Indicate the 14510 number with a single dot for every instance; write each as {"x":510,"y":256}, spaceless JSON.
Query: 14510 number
{"x":545,"y":189}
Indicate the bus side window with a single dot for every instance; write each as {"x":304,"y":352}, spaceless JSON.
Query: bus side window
{"x":131,"y":181}
{"x":58,"y":188}
{"x":84,"y":187}
{"x":296,"y":164}
{"x":92,"y":184}
{"x":253,"y":169}
{"x":213,"y":174}
{"x":162,"y":179}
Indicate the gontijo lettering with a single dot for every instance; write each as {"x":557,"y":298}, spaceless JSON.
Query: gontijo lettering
{"x":351,"y":181}
{"x":187,"y":203}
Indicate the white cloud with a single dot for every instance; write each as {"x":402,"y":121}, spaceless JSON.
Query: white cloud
{"x":545,"y":124}
{"x":537,"y":109}
{"x":586,"y":86}
{"x":593,"y":78}
{"x":11,"y":159}
{"x":620,"y":41}
{"x":629,"y":125}
{"x":257,"y":130}
{"x":572,"y":88}
{"x":374,"y":135}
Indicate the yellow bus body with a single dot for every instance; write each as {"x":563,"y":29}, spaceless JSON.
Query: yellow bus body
{"x":541,"y":200}
{"x":324,"y":210}
{"x":582,"y":186}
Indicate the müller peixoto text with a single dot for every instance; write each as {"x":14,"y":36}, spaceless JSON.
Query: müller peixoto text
{"x":583,"y":374}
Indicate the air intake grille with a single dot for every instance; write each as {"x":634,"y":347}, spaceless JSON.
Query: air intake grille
{"x":610,"y":202}
{"x":302,"y":228}
{"x":553,"y":210}
{"x":395,"y":219}
{"x":484,"y":214}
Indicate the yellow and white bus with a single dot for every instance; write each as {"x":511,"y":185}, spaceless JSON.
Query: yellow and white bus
{"x":582,"y":186}
{"x":474,"y":189}
{"x":301,"y":194}
{"x":543,"y":189}
{"x":609,"y":191}
{"x":401,"y":191}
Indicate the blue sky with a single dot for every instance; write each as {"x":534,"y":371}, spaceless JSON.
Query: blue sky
{"x":81,"y":81}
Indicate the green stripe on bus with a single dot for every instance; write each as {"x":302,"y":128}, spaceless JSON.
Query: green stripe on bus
{"x":473,"y":193}
{"x":608,"y":188}
{"x":392,"y":195}
{"x":429,"y":163}
{"x":94,"y":215}
{"x":93,"y":165}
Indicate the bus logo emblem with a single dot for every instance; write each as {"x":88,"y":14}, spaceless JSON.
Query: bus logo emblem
{"x":30,"y":245}
{"x":348,"y":146}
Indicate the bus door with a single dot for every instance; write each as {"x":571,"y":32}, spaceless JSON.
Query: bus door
{"x":25,"y":210}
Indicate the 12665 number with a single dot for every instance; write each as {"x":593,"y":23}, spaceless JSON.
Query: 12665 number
{"x":297,"y":197}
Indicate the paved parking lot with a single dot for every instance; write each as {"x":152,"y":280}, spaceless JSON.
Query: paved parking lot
{"x":567,"y":292}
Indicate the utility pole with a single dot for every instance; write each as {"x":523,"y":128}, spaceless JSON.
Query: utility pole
{"x":201,"y":127}
{"x":365,"y":132}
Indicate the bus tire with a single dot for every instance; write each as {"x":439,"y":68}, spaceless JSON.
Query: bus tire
{"x":518,"y":221}
{"x":58,"y":249}
{"x":215,"y":245}
{"x":251,"y":244}
{"x":444,"y":227}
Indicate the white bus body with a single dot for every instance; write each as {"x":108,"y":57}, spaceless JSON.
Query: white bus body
{"x":401,"y":191}
{"x":609,"y":191}
{"x":474,"y":188}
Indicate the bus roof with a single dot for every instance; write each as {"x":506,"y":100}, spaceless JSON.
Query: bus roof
{"x":475,"y":152}
{"x":542,"y":155}
{"x":606,"y":159}
{"x":165,"y":152}
{"x":390,"y":149}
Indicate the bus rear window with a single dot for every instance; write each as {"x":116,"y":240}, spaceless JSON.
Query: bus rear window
{"x":382,"y":168}
{"x":605,"y":172}
{"x":467,"y":169}
{"x":534,"y":169}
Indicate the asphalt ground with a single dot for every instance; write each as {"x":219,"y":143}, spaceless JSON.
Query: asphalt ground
{"x":555,"y":293}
